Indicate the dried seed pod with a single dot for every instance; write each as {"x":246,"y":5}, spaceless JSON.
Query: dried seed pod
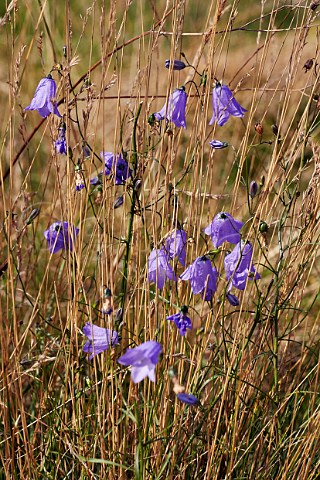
{"x":259,"y":128}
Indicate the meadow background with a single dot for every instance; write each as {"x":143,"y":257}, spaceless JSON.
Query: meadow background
{"x":254,"y":367}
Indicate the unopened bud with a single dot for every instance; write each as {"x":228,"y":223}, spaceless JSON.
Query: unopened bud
{"x":137,"y":184}
{"x":107,"y":293}
{"x":118,"y":202}
{"x":175,"y":64}
{"x":33,"y":215}
{"x":107,"y":307}
{"x":253,"y":189}
{"x":232,"y":299}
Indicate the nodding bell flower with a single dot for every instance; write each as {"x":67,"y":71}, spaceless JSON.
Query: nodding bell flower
{"x":117,"y":165}
{"x":175,"y":109}
{"x":99,"y":339}
{"x":61,"y":236}
{"x":224,"y":228}
{"x":239,"y":267}
{"x":175,"y":245}
{"x":224,"y":104}
{"x":44,"y":99}
{"x":159,"y":267}
{"x":203,"y":277}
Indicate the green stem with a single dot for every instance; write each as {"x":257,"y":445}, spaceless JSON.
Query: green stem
{"x":128,"y":240}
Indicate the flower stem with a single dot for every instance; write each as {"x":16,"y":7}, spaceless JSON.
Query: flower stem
{"x":134,"y":161}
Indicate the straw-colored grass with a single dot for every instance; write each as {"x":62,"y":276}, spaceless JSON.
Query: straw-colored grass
{"x":254,"y":367}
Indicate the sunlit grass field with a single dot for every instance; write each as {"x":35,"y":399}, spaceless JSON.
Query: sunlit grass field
{"x":252,"y":363}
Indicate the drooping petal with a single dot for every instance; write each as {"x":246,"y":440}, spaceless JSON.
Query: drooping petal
{"x":44,"y":98}
{"x":224,"y":104}
{"x":139,"y":373}
{"x":224,"y":228}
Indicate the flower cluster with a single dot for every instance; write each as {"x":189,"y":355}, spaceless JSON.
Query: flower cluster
{"x":203,"y":276}
{"x":143,"y":359}
{"x":162,"y":262}
{"x":224,"y":105}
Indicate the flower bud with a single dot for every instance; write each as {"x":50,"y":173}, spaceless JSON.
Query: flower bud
{"x":118,"y":202}
{"x":33,"y":215}
{"x":217,"y":145}
{"x":253,"y":189}
{"x":107,"y":307}
{"x":232,"y":299}
{"x":175,"y":64}
{"x":107,"y":293}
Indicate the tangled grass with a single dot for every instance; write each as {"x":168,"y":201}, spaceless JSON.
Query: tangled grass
{"x":254,"y":366}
